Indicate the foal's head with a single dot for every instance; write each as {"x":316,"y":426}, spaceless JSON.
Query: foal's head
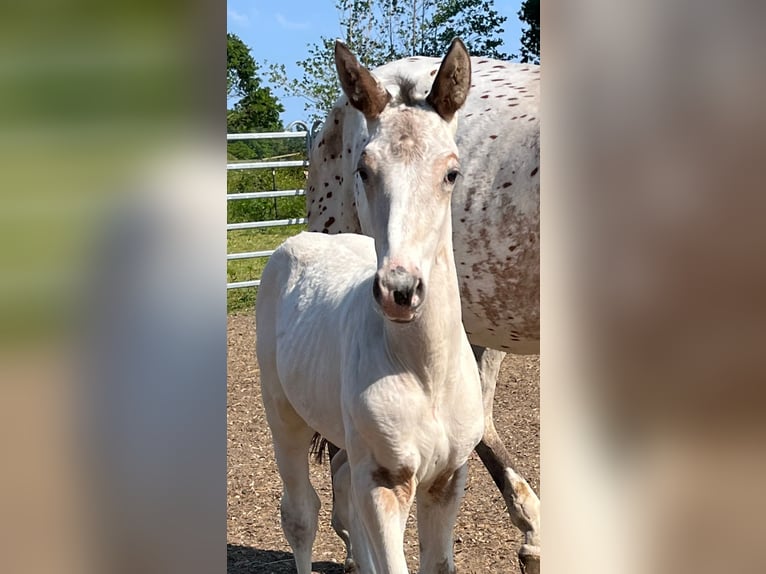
{"x":405,"y":173}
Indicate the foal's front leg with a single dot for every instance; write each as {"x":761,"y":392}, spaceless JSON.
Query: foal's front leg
{"x":383,"y":499}
{"x":438,"y":505}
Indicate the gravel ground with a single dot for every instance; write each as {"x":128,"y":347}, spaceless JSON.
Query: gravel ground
{"x":485,"y":540}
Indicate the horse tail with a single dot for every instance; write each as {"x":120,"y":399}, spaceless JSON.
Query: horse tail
{"x":320,"y":445}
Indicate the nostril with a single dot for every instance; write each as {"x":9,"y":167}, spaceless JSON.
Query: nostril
{"x":403,"y":297}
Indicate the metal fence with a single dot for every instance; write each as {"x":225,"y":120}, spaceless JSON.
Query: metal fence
{"x":303,"y":131}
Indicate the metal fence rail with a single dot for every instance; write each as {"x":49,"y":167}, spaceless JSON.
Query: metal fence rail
{"x":307,"y":134}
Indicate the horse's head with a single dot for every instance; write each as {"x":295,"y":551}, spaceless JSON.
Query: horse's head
{"x":405,"y":173}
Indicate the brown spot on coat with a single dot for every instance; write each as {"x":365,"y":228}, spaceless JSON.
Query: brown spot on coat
{"x":443,"y":488}
{"x":401,"y":482}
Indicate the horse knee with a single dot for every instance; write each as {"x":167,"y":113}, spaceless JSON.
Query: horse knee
{"x":299,"y":518}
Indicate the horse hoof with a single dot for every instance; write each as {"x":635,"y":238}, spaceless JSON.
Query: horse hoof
{"x":529,"y":559}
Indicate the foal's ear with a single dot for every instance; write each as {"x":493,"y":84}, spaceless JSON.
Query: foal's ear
{"x":360,"y":86}
{"x":450,"y":88}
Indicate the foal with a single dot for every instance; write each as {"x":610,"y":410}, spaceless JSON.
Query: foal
{"x":361,"y":339}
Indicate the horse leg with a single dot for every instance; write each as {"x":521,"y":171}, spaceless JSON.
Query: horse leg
{"x":382,"y":500}
{"x":522,"y":503}
{"x":341,"y":503}
{"x":300,"y":504}
{"x":438,"y":505}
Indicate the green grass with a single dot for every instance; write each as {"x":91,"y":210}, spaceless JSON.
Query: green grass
{"x":246,"y":269}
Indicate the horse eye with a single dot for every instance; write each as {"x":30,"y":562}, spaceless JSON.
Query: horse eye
{"x":362,"y":173}
{"x":451,"y":176}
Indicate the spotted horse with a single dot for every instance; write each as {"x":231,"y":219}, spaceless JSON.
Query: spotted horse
{"x":496,"y":230}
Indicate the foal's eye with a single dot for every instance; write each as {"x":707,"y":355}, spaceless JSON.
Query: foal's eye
{"x":451,"y":176}
{"x":362,"y":173}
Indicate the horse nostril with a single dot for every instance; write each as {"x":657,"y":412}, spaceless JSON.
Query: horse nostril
{"x":376,"y":292}
{"x":403,"y":298}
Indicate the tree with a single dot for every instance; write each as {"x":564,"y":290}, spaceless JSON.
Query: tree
{"x":256,"y":109}
{"x":530,"y":38}
{"x":378,"y":31}
{"x":473,"y":21}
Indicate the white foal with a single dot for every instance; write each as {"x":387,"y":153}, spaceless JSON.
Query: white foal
{"x":361,"y":339}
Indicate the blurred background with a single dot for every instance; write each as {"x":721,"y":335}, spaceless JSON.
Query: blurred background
{"x":113,"y":300}
{"x":112,"y":290}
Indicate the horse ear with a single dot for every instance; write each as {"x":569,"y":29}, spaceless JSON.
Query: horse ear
{"x":450,"y":88}
{"x":360,"y":86}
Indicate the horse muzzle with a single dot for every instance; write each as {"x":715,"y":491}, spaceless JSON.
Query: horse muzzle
{"x":398,"y":293}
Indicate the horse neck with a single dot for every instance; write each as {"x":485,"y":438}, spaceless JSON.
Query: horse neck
{"x":429,"y":346}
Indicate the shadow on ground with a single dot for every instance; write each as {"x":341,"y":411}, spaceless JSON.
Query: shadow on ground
{"x":249,"y":560}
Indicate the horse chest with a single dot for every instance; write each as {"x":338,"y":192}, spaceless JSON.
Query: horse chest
{"x":405,"y":426}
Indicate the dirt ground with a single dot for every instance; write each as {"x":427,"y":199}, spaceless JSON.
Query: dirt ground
{"x":485,"y":540}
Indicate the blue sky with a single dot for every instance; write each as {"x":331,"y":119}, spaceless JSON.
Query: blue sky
{"x":279,"y":31}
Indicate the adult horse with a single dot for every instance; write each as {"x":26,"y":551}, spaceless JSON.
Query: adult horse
{"x":496,"y":226}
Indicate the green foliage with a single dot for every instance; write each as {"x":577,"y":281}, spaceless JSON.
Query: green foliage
{"x":378,"y":31}
{"x":269,"y":208}
{"x":475,"y":22}
{"x":257,"y":109}
{"x":530,"y":38}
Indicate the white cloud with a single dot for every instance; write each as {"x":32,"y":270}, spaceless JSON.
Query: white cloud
{"x":237,"y":17}
{"x":291,"y":25}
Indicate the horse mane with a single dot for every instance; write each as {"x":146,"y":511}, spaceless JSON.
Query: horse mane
{"x":407,"y":91}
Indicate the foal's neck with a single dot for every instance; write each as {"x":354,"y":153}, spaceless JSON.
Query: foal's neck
{"x":429,"y":346}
